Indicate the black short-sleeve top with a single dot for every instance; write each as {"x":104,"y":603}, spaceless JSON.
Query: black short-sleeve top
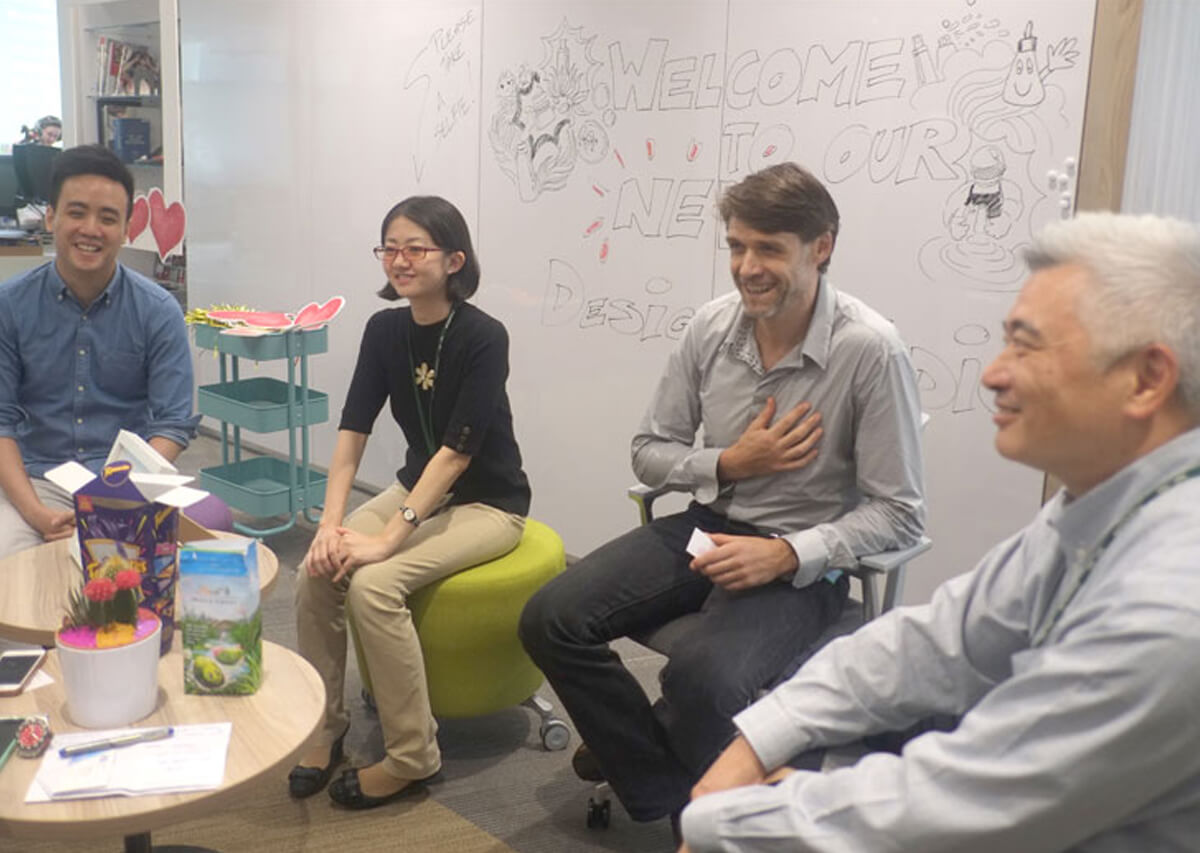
{"x":466,"y":396}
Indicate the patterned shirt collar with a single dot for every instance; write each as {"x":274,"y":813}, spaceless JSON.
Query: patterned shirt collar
{"x":740,"y":343}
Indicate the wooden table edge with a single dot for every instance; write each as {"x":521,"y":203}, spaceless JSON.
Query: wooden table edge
{"x":183,"y":807}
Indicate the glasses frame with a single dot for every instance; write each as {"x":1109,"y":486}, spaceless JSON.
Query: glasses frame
{"x":412,"y":254}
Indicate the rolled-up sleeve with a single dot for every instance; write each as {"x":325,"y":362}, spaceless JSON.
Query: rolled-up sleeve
{"x":11,"y":413}
{"x":170,"y":377}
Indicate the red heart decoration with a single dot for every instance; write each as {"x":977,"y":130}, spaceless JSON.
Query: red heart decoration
{"x":140,"y":218}
{"x":312,"y":314}
{"x":166,"y":223}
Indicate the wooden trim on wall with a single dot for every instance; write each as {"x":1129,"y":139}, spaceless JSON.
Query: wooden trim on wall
{"x":1106,"y":117}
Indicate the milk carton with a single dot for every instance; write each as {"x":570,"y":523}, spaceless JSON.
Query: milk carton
{"x":219,"y":616}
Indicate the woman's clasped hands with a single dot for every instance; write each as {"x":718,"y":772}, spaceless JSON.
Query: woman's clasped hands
{"x":336,"y":552}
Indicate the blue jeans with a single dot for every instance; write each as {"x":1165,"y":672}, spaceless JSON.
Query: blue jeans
{"x":652,"y":755}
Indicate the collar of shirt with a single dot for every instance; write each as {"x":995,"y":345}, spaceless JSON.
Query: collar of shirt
{"x":1082,"y":523}
{"x":55,"y":286}
{"x":740,"y":343}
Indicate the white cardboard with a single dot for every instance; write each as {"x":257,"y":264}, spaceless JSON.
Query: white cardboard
{"x":140,"y":453}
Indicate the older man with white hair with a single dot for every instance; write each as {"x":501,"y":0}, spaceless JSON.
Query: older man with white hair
{"x":1071,"y":654}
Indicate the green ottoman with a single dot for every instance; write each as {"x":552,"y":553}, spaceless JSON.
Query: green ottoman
{"x":467,"y":623}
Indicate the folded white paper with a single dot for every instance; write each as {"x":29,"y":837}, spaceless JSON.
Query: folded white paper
{"x":192,"y":759}
{"x":700,"y":543}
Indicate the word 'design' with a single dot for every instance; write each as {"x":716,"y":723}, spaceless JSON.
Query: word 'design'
{"x":566,"y":303}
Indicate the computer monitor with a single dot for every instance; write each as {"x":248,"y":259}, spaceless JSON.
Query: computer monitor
{"x":8,"y":187}
{"x":33,"y":164}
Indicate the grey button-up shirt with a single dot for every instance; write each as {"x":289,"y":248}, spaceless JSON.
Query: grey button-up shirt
{"x":1088,"y":741}
{"x":864,"y":491}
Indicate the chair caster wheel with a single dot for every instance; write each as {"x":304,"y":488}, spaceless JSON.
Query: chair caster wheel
{"x":599,"y":813}
{"x":555,"y":735}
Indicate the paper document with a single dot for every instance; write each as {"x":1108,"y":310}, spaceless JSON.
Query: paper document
{"x":193,"y":759}
{"x":700,"y":543}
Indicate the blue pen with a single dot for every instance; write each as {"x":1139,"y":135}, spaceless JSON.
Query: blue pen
{"x":117,"y":741}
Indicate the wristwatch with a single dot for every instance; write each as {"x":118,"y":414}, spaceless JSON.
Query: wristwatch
{"x":410,"y":515}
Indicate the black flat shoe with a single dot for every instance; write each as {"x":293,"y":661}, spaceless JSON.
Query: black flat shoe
{"x":306,"y":781}
{"x":346,"y":792}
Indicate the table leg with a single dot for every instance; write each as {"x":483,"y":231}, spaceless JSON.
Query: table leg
{"x":140,"y":843}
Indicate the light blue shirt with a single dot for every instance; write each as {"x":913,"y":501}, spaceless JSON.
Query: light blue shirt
{"x":864,"y":491}
{"x":71,"y":377}
{"x":1088,"y":741}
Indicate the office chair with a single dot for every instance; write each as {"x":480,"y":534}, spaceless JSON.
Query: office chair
{"x":887,"y":566}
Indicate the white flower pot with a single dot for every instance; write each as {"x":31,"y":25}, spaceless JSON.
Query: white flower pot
{"x":108,"y":688}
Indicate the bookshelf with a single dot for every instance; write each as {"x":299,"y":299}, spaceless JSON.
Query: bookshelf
{"x":96,"y":106}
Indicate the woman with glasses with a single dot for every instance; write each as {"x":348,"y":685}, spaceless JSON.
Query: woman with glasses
{"x":441,"y":365}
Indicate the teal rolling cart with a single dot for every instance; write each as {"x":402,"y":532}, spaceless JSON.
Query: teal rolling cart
{"x":264,"y":486}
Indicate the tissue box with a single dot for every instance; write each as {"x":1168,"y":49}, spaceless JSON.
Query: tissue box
{"x":131,"y":518}
{"x":219,"y":616}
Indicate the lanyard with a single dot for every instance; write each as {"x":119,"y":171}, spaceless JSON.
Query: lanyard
{"x":426,"y":418}
{"x":1093,"y":556}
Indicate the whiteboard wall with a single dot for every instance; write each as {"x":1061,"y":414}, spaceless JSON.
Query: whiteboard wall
{"x":587,"y":142}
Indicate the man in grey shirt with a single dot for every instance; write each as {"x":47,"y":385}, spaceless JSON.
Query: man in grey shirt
{"x":1070,"y":652}
{"x":810,"y":457}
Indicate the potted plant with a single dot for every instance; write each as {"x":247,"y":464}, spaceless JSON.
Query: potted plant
{"x":108,"y":649}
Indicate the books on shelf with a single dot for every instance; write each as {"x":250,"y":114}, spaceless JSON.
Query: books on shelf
{"x":125,"y":69}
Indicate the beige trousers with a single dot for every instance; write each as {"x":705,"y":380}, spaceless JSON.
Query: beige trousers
{"x":453,"y":539}
{"x":15,"y":533}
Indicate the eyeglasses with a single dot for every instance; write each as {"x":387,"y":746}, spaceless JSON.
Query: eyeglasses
{"x":412,"y":254}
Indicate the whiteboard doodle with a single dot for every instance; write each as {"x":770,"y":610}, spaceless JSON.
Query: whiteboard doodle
{"x":443,"y":69}
{"x":1007,"y":112}
{"x":541,"y":121}
{"x":947,"y":390}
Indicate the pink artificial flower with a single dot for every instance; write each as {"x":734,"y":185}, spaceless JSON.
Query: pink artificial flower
{"x":128,"y":579}
{"x":100,"y":589}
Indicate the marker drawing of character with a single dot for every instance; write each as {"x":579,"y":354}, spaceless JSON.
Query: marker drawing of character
{"x":1025,"y":85}
{"x":987,"y":205}
{"x":540,"y":120}
{"x":980,"y":251}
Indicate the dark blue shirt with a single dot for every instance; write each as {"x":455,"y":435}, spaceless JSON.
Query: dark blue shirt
{"x":71,"y":377}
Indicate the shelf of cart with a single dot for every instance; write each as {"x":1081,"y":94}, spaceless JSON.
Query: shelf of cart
{"x":261,"y":404}
{"x":261,"y":486}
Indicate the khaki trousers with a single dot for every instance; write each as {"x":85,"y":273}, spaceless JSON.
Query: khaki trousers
{"x":453,"y":539}
{"x":15,"y":533}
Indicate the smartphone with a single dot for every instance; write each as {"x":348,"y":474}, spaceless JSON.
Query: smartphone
{"x":16,"y":667}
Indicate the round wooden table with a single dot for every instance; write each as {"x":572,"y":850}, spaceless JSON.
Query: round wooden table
{"x":38,"y":581}
{"x":271,"y":728}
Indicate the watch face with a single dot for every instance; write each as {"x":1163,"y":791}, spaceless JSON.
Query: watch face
{"x":409,"y":515}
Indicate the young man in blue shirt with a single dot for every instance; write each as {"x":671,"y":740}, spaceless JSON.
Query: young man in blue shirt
{"x":87,"y":347}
